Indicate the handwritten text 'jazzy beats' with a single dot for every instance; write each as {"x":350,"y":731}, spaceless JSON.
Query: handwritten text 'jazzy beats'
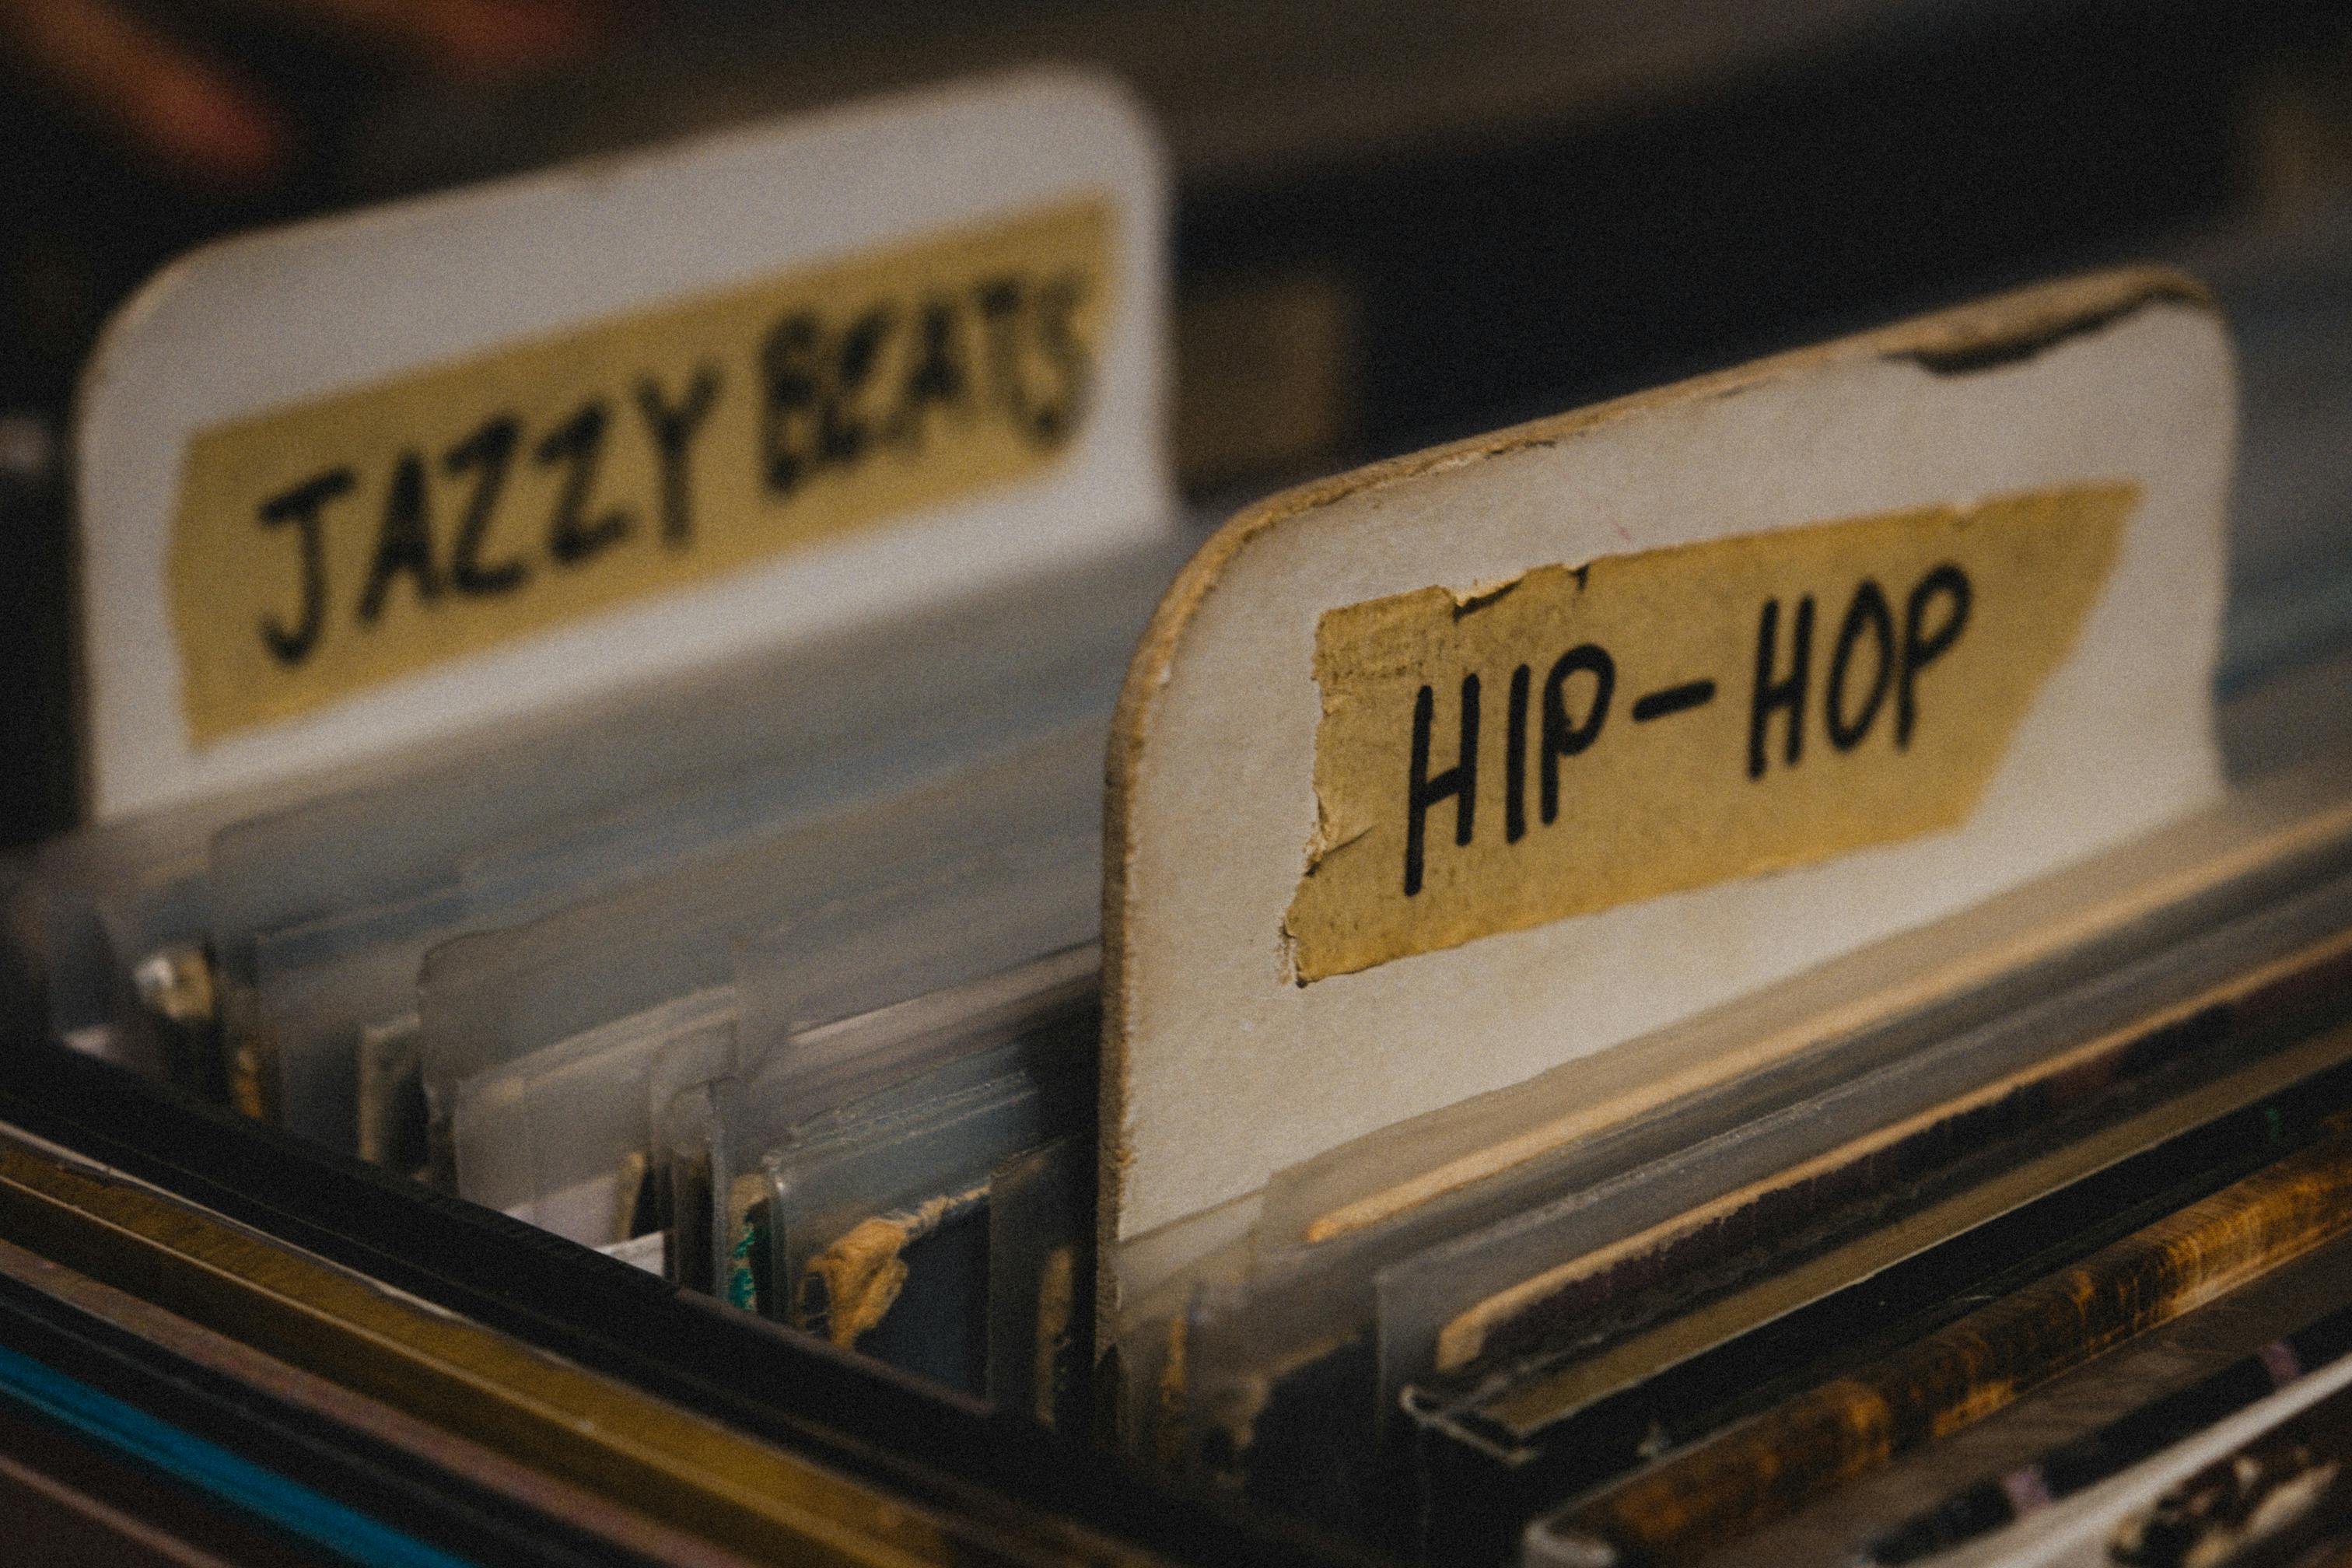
{"x":331,"y":546}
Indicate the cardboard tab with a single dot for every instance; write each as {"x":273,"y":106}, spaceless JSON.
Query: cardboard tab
{"x":366,"y":481}
{"x":1444,"y":773}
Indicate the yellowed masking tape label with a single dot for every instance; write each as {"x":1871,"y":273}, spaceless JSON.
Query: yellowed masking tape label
{"x":321,"y":549}
{"x":1587,"y":736}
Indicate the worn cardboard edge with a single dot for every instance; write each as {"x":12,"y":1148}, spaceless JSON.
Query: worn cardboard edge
{"x":1988,"y":335}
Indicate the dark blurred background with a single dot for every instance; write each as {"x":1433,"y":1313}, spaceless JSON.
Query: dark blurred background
{"x":1396,"y":221}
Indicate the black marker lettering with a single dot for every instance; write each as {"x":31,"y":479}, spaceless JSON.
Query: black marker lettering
{"x":404,"y":543}
{"x":1515,"y":762}
{"x":1000,"y":316}
{"x":673,"y":428}
{"x":1670,"y":700}
{"x":1788,"y":692}
{"x":487,"y":451}
{"x":301,"y":506}
{"x":1950,"y":584}
{"x":578,"y":444}
{"x":937,"y":379}
{"x":1869,"y":612}
{"x":1562,"y":739}
{"x":843,"y":435}
{"x":788,"y":368}
{"x":1057,"y":306}
{"x":1460,"y":781}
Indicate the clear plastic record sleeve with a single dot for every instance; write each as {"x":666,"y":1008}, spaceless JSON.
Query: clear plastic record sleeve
{"x":509,"y":841}
{"x":911,"y":1041}
{"x":591,"y":1018}
{"x":295,"y":917}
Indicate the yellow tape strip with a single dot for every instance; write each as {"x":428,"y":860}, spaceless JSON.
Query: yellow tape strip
{"x":1587,"y":736}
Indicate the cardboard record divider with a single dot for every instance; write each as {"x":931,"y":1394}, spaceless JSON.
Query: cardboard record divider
{"x":1440,"y":774}
{"x":361,"y":485}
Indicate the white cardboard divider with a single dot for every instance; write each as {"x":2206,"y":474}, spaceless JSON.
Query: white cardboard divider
{"x":281,"y":319}
{"x":1254,"y":1019}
